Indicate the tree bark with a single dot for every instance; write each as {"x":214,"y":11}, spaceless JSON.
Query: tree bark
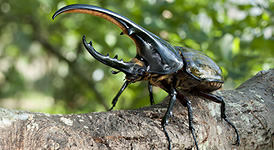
{"x":250,"y":107}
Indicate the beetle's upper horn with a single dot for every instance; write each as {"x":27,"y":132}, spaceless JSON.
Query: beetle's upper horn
{"x":160,"y":56}
{"x":125,"y":24}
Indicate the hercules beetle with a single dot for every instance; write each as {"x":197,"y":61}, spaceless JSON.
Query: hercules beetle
{"x":171,"y":68}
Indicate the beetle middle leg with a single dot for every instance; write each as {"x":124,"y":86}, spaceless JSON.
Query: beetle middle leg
{"x":150,"y":94}
{"x":115,"y":99}
{"x":219,"y":99}
{"x":184,"y":101}
{"x":168,"y":113}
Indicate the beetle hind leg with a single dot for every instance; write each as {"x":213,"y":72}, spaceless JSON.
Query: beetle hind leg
{"x":219,"y":99}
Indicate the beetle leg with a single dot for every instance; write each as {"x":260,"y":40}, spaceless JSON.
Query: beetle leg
{"x":115,"y":99}
{"x":150,"y":94}
{"x":184,"y":101}
{"x":219,"y":99}
{"x":168,"y":113}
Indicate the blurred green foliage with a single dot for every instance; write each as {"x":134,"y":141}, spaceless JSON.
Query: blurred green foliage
{"x":44,"y":67}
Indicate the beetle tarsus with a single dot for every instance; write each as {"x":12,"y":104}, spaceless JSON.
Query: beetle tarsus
{"x":168,"y":139}
{"x":236,"y":131}
{"x":194,"y":137}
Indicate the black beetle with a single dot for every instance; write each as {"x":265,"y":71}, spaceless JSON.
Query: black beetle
{"x":171,"y":68}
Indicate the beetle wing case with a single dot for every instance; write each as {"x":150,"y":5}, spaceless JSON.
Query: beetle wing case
{"x":200,"y":66}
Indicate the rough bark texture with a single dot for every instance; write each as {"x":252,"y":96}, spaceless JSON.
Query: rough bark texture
{"x":250,"y":107}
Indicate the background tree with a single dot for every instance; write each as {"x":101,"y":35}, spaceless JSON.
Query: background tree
{"x":44,"y":67}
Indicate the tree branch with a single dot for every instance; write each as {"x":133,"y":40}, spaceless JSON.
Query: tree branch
{"x":250,"y":107}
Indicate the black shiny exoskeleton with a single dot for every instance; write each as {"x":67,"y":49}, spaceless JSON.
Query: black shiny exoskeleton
{"x":171,"y":68}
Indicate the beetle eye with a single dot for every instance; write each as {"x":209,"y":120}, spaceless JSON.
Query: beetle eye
{"x":196,"y":72}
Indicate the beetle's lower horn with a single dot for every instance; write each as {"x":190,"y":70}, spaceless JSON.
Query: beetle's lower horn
{"x":126,"y":67}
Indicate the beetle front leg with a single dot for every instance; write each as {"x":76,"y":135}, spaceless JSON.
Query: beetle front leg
{"x":115,"y":99}
{"x":219,"y":99}
{"x":150,"y":94}
{"x":168,"y":113}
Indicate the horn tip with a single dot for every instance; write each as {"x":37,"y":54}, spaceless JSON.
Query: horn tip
{"x":53,"y":16}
